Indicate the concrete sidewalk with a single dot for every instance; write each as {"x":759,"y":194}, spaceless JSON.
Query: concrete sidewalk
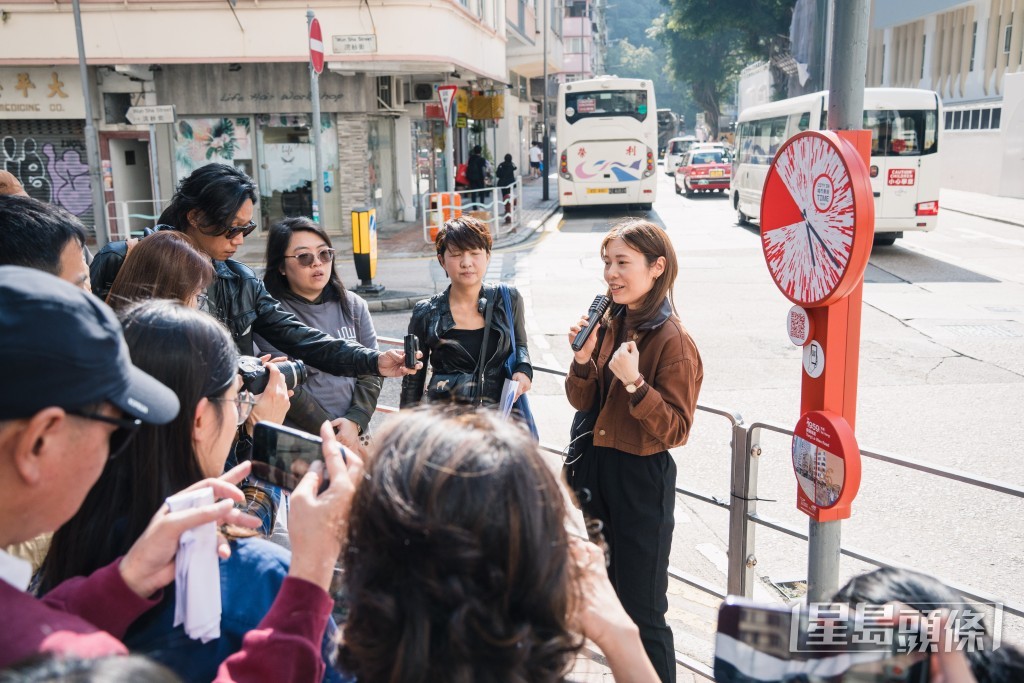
{"x":406,"y":265}
{"x":1003,"y":209}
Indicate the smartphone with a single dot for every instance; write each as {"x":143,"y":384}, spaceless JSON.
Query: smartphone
{"x":412,"y":346}
{"x":282,"y":455}
{"x":826,"y":643}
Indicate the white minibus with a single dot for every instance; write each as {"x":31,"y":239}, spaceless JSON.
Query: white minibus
{"x":904,"y":169}
{"x":607,"y":134}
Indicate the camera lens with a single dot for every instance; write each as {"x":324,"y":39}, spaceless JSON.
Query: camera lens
{"x":294,"y":373}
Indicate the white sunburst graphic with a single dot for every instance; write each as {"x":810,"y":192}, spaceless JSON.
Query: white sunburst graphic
{"x":807,"y":257}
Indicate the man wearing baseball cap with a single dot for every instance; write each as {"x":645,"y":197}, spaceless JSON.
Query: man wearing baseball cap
{"x":70,"y":398}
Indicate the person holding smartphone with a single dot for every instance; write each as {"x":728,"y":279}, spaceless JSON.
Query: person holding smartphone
{"x":641,"y":374}
{"x":192,"y":354}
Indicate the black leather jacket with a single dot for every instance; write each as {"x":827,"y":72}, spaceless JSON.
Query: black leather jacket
{"x":432,"y":319}
{"x":239,"y":299}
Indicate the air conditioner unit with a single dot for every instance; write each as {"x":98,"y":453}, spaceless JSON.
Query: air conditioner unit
{"x":389,"y":93}
{"x":423,"y":92}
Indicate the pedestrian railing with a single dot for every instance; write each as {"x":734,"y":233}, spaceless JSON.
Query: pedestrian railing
{"x":741,"y":504}
{"x":490,"y":205}
{"x":122,"y":217}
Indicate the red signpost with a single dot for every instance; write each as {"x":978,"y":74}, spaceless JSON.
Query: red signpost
{"x":817,"y":228}
{"x":316,"y":47}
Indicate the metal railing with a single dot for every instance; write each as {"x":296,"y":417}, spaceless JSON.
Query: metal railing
{"x":745,"y":452}
{"x":488,"y":204}
{"x":137,"y":213}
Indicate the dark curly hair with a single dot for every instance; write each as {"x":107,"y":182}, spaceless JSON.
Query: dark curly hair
{"x":457,"y":562}
{"x":208,"y":199}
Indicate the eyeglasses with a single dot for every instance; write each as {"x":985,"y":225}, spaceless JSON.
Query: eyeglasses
{"x":244,"y":403}
{"x":233,"y":231}
{"x":120,"y":437}
{"x":306,"y":258}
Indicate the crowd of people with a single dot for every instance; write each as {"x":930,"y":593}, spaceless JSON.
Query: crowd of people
{"x":441,"y":548}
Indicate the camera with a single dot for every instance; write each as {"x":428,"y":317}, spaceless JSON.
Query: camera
{"x":255,"y":376}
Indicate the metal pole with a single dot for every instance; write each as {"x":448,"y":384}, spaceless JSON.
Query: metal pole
{"x":314,"y":94}
{"x":92,"y":141}
{"x":449,"y":150}
{"x":545,"y":137}
{"x":154,"y":164}
{"x":845,"y":112}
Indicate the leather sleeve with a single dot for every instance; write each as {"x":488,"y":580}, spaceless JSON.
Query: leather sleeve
{"x":412,"y":385}
{"x":322,"y":351}
{"x":105,"y":266}
{"x":523,"y":364}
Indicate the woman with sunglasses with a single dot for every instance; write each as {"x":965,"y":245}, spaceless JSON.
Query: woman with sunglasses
{"x":214,"y":206}
{"x":191,"y":353}
{"x":300,"y":274}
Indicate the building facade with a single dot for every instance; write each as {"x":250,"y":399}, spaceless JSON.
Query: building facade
{"x":238,"y":78}
{"x":972,"y":55}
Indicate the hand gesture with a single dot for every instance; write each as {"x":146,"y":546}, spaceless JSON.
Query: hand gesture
{"x":348,"y":434}
{"x":149,"y":564}
{"x":524,"y":384}
{"x":392,"y":364}
{"x":584,"y":355}
{"x":625,"y":362}
{"x":317,"y":524}
{"x":272,"y":405}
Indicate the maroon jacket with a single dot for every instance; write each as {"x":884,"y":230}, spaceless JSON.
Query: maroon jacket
{"x":85,"y":616}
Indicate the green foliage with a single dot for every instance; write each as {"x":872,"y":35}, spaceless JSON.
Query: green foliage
{"x":710,"y":41}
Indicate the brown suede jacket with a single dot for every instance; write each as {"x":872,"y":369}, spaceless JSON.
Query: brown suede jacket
{"x":662,"y":418}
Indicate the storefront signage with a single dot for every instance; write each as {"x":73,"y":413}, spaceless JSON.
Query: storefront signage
{"x":354,"y":44}
{"x":254,"y":89}
{"x":41,"y":93}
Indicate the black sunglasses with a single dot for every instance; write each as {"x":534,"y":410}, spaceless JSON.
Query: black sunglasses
{"x":120,"y":437}
{"x":233,"y":231}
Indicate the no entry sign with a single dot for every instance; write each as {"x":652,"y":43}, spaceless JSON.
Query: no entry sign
{"x":316,"y":46}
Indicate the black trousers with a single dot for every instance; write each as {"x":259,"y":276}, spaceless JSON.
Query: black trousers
{"x":634,"y":497}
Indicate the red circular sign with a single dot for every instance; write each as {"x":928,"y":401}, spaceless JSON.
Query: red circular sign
{"x":826,"y":461}
{"x":316,"y":46}
{"x":817,"y":218}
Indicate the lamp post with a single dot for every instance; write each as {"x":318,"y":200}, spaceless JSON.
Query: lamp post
{"x":544,"y":113}
{"x":92,"y":143}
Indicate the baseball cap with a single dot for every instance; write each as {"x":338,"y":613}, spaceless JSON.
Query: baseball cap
{"x":66,"y":349}
{"x":11,"y":185}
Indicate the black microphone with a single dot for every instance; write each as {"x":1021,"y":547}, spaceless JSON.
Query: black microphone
{"x":596,"y":312}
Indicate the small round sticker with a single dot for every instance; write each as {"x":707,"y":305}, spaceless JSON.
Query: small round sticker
{"x":798,"y":326}
{"x":814,"y":360}
{"x":823,"y":193}
{"x":569,"y":111}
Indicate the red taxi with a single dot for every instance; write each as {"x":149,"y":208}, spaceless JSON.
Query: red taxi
{"x":703,"y":170}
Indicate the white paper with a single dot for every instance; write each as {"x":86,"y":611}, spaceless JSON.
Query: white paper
{"x":508,"y":397}
{"x":197,"y":572}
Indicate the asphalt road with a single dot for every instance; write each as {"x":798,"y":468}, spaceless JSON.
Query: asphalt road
{"x":941,"y":381}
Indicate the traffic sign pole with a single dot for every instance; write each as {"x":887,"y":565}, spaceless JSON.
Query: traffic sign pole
{"x":315,"y":67}
{"x":845,"y":114}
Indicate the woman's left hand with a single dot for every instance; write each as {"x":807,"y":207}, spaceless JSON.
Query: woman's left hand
{"x":524,"y":384}
{"x":625,"y":362}
{"x":348,"y":434}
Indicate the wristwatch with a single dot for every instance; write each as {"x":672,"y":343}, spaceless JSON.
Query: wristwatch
{"x":633,"y":386}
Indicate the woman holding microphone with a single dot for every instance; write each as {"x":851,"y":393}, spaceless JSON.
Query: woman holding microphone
{"x":640,"y":372}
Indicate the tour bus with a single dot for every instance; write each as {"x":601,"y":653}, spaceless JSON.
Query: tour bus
{"x":904,"y":170}
{"x":607,"y":134}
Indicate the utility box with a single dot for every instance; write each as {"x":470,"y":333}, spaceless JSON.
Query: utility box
{"x":364,"y":249}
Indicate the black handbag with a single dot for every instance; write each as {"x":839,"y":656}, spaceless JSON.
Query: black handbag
{"x":578,"y":462}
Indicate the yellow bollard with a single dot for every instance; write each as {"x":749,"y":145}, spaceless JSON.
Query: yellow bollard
{"x":364,"y":249}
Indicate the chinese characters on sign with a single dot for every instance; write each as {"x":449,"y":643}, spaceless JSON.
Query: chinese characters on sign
{"x":901,"y":176}
{"x":40,"y":93}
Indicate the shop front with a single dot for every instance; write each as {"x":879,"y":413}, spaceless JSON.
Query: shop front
{"x":42,"y":138}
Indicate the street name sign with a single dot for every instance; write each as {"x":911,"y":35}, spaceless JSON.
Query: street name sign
{"x":141,"y":116}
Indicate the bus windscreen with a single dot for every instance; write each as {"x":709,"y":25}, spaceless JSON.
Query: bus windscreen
{"x":605,"y":103}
